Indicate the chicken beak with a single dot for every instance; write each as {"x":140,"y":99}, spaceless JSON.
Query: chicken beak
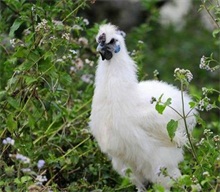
{"x":105,"y":51}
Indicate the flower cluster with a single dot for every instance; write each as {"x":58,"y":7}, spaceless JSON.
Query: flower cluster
{"x":204,"y":63}
{"x":183,"y":74}
{"x":156,"y":74}
{"x":216,"y":138}
{"x":23,"y":158}
{"x":66,"y":36}
{"x":16,"y":43}
{"x":40,"y":179}
{"x":87,"y":78}
{"x":204,"y":103}
{"x":9,"y":141}
{"x":42,"y":25}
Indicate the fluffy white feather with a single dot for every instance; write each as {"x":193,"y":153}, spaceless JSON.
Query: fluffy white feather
{"x":125,"y":123}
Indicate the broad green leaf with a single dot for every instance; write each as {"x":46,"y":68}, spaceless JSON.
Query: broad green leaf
{"x":17,"y":23}
{"x":171,"y":128}
{"x":14,"y":103}
{"x":160,"y":108}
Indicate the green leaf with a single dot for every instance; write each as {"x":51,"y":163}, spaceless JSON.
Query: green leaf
{"x":24,"y":179}
{"x":185,"y":180}
{"x":168,"y":102}
{"x":30,"y":80}
{"x":171,"y":128}
{"x":160,"y":108}
{"x":192,"y":104}
{"x":11,"y":123}
{"x":17,"y":23}
{"x":14,"y":103}
{"x":200,"y":121}
{"x":215,"y":32}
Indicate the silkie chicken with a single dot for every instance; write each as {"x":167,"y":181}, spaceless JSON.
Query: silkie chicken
{"x":125,"y":122}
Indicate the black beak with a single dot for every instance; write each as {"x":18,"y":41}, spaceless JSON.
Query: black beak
{"x":105,"y":51}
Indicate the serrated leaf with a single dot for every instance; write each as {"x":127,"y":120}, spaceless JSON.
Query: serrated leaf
{"x":171,"y":128}
{"x":17,"y":23}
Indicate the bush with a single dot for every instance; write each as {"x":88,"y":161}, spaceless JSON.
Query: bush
{"x":48,"y":59}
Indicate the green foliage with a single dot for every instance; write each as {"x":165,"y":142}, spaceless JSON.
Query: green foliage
{"x":171,"y":128}
{"x":160,"y":106}
{"x":47,"y":69}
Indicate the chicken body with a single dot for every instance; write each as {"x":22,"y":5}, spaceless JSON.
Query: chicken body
{"x":126,"y":124}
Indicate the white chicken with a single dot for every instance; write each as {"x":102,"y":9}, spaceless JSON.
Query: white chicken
{"x":125,"y":122}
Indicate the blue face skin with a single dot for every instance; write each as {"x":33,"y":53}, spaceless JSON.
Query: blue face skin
{"x":117,"y":48}
{"x":106,"y":49}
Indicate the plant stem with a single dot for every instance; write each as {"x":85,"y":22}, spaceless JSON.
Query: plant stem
{"x":185,"y":123}
{"x":213,"y":19}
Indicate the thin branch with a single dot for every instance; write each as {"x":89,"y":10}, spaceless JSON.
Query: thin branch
{"x":186,"y":126}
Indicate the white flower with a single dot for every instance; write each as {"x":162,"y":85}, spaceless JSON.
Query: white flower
{"x":208,"y":107}
{"x":26,"y":170}
{"x":73,"y":51}
{"x":9,"y":141}
{"x":87,"y":78}
{"x":187,"y":74}
{"x":204,"y":90}
{"x":72,"y":69}
{"x":42,"y":25}
{"x":216,"y":138}
{"x":40,"y":163}
{"x":140,"y":42}
{"x":13,"y":42}
{"x":77,"y":27}
{"x":40,"y":179}
{"x":206,"y":173}
{"x":22,"y":158}
{"x":66,"y":36}
{"x":59,"y":60}
{"x":86,"y":21}
{"x":55,"y":22}
{"x":202,"y":64}
{"x":91,"y":63}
